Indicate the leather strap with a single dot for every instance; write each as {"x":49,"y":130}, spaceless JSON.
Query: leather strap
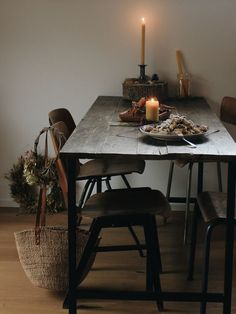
{"x":41,"y":209}
{"x":41,"y":213}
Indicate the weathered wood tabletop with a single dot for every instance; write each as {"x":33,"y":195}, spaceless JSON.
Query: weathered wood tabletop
{"x":98,"y":136}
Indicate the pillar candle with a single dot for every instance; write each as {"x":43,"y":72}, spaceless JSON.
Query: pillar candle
{"x":143,"y":42}
{"x":152,"y":110}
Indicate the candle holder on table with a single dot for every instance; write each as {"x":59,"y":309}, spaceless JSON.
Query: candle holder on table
{"x":142,"y":78}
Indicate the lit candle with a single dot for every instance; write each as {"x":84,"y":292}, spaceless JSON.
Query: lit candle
{"x":143,"y":42}
{"x":152,"y":110}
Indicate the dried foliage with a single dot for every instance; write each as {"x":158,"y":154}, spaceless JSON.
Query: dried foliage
{"x":27,"y":175}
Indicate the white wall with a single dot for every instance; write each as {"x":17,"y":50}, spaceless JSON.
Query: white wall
{"x":67,"y":52}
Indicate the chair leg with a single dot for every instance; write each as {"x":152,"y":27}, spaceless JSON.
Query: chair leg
{"x":149,"y":280}
{"x":200,"y":177}
{"x":149,"y":275}
{"x":206,"y":267}
{"x":169,"y":183}
{"x":193,"y":242}
{"x":157,"y":244}
{"x":187,"y":206}
{"x":125,"y":181}
{"x":99,"y":185}
{"x":131,"y":230}
{"x":149,"y":261}
{"x":170,"y":177}
{"x":153,"y":260}
{"x":90,"y":190}
{"x":219,"y":175}
{"x":94,"y":230}
{"x":87,"y":189}
{"x":84,"y":192}
{"x":107,"y":180}
{"x":136,"y":240}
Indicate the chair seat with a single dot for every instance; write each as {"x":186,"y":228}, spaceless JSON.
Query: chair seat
{"x":110,"y":167}
{"x":125,"y":201}
{"x":212,"y":205}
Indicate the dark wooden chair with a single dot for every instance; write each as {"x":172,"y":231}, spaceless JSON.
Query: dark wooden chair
{"x":94,"y":172}
{"x":119,"y":208}
{"x":212,"y":207}
{"x":89,"y":171}
{"x":188,"y":199}
{"x":97,"y":170}
{"x":123,"y":208}
{"x":62,"y":114}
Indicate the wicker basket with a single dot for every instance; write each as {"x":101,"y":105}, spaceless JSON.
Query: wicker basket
{"x":46,"y":264}
{"x":43,"y":250}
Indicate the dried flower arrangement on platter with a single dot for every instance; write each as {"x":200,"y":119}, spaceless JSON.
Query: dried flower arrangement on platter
{"x":177,"y":125}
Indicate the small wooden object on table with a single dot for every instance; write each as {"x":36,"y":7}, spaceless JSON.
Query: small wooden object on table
{"x":184,"y":78}
{"x":133,"y":89}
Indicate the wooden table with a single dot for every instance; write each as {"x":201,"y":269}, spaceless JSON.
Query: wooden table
{"x":97,"y":137}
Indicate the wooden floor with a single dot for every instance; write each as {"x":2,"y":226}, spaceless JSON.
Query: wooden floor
{"x":121,"y":270}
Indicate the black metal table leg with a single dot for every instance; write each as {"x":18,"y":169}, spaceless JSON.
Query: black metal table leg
{"x":72,"y":218}
{"x":207,"y":246}
{"x":200,"y":177}
{"x":229,"y":238}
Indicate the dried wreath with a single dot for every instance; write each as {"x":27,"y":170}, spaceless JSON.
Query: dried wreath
{"x":27,"y":175}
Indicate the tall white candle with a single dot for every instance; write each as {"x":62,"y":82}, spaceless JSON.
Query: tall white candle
{"x":152,"y":110}
{"x":143,"y":42}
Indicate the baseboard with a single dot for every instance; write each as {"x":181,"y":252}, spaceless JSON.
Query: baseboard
{"x":7,"y":203}
{"x":10,"y":203}
{"x":179,"y":207}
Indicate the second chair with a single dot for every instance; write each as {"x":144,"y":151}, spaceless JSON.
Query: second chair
{"x":97,"y":170}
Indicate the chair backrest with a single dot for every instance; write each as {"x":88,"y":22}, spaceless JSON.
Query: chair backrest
{"x":62,"y":114}
{"x":228,"y":110}
{"x":59,"y":135}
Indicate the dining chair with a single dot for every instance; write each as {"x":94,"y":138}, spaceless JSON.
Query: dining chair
{"x":88,"y":171}
{"x":115,"y":209}
{"x":96,"y":171}
{"x":121,"y":208}
{"x":211,"y":206}
{"x":188,"y":199}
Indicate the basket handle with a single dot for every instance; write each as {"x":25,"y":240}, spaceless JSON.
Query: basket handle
{"x":41,"y":208}
{"x":46,"y":130}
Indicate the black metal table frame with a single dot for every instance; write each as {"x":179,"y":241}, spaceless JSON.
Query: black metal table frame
{"x":225,"y":297}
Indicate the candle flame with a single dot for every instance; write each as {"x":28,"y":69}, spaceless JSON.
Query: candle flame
{"x":143,"y":20}
{"x":152,"y":99}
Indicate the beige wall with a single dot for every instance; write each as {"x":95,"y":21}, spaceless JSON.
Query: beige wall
{"x":67,"y":52}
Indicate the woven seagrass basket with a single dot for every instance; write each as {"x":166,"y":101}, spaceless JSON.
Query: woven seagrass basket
{"x":46,"y":264}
